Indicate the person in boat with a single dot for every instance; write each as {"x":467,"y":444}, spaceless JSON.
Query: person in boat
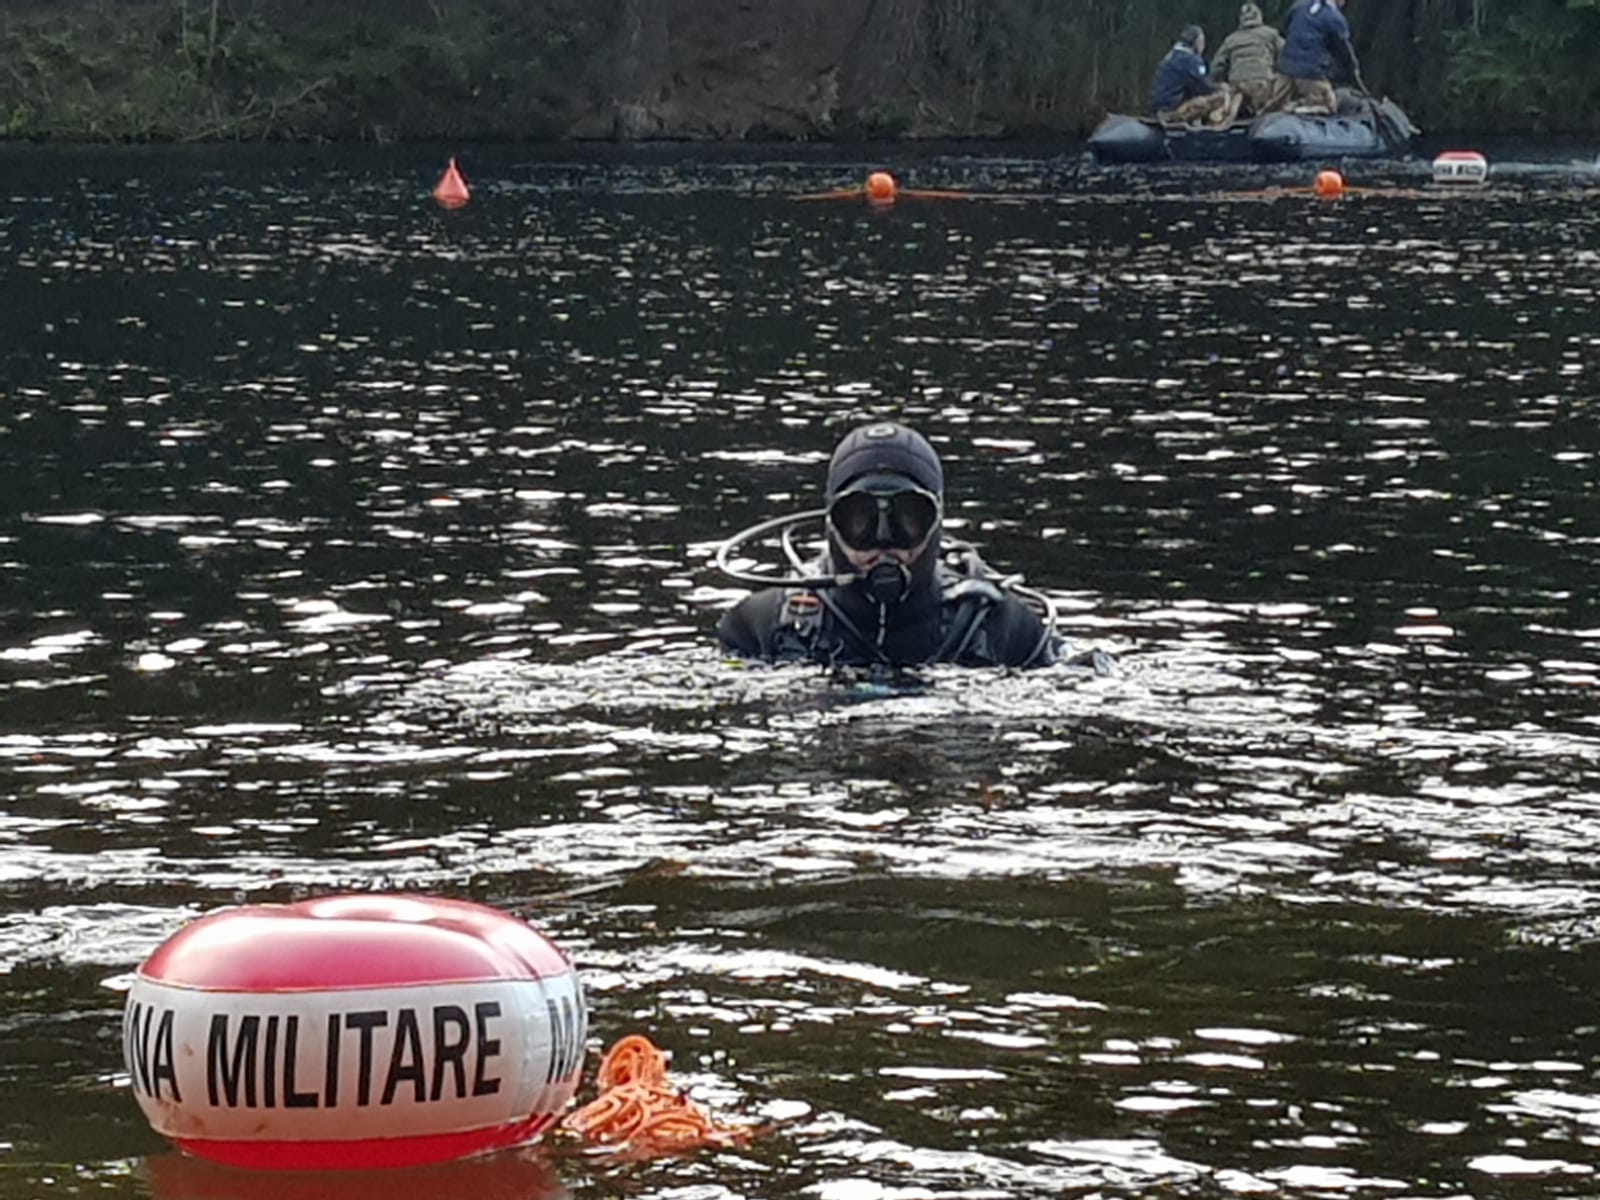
{"x":1316,"y":36}
{"x":889,"y":591}
{"x":1247,"y":62}
{"x":1181,"y":92}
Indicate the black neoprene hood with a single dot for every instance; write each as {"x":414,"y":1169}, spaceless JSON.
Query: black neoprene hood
{"x":885,"y":447}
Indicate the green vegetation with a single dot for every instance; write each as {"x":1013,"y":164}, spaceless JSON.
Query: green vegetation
{"x":205,"y":69}
{"x":1534,"y":70}
{"x":542,"y":69}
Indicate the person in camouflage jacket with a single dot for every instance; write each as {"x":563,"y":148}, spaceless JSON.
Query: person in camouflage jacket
{"x":1247,"y":61}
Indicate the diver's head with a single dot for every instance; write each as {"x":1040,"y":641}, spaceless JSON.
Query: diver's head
{"x":885,"y":500}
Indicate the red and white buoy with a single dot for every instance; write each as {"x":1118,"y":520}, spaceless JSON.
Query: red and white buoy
{"x":1461,"y":167}
{"x":516,"y":1175}
{"x":354,"y":1031}
{"x":451,"y":191}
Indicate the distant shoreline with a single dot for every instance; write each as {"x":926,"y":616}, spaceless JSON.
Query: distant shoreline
{"x":768,"y":72}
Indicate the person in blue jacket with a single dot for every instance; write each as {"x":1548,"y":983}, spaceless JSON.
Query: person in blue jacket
{"x":1315,"y":37}
{"x":1182,"y":91}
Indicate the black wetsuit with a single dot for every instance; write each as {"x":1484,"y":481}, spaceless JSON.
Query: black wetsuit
{"x":942,"y":608}
{"x":949,"y":616}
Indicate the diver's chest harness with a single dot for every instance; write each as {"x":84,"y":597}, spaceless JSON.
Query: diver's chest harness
{"x":812,"y":626}
{"x":811,"y":623}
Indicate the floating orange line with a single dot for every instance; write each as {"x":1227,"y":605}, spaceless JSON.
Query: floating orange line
{"x":908,"y":194}
{"x":854,"y":193}
{"x":1403,"y":193}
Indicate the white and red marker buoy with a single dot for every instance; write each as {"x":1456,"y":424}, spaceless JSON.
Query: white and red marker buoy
{"x":514,"y":1175}
{"x":354,"y":1032}
{"x":1461,"y":167}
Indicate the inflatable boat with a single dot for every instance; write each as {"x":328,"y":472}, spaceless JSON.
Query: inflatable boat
{"x":1360,"y":129}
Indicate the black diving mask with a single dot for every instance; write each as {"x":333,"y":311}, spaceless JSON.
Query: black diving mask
{"x":884,"y":513}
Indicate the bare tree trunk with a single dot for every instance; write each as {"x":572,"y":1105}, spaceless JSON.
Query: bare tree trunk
{"x":211,"y":37}
{"x":642,"y":35}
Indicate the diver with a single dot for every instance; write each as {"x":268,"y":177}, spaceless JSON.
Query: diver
{"x":891,"y":591}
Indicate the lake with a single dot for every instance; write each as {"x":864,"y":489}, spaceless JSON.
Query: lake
{"x":350,"y":544}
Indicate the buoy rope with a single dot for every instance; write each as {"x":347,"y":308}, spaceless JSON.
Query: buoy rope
{"x":639,"y":1114}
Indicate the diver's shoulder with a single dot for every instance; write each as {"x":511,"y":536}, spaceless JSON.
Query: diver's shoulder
{"x":746,"y":625}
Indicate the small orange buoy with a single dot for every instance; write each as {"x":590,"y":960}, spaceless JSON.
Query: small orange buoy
{"x":451,"y":190}
{"x":1329,"y":185}
{"x":881,"y":187}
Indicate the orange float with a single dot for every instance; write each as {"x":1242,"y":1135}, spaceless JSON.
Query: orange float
{"x":1328,"y":184}
{"x":354,"y":1032}
{"x":451,"y":191}
{"x":881,"y":187}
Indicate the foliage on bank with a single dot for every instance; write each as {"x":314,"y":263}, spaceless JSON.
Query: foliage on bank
{"x":545,"y":69}
{"x":222,"y":69}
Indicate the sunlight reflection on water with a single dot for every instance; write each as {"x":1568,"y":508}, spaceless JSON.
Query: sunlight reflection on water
{"x":359,"y":547}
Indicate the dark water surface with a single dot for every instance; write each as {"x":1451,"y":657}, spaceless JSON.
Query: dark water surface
{"x":348,"y":544}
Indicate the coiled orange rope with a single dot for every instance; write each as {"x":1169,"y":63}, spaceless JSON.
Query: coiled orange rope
{"x":639,"y":1114}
